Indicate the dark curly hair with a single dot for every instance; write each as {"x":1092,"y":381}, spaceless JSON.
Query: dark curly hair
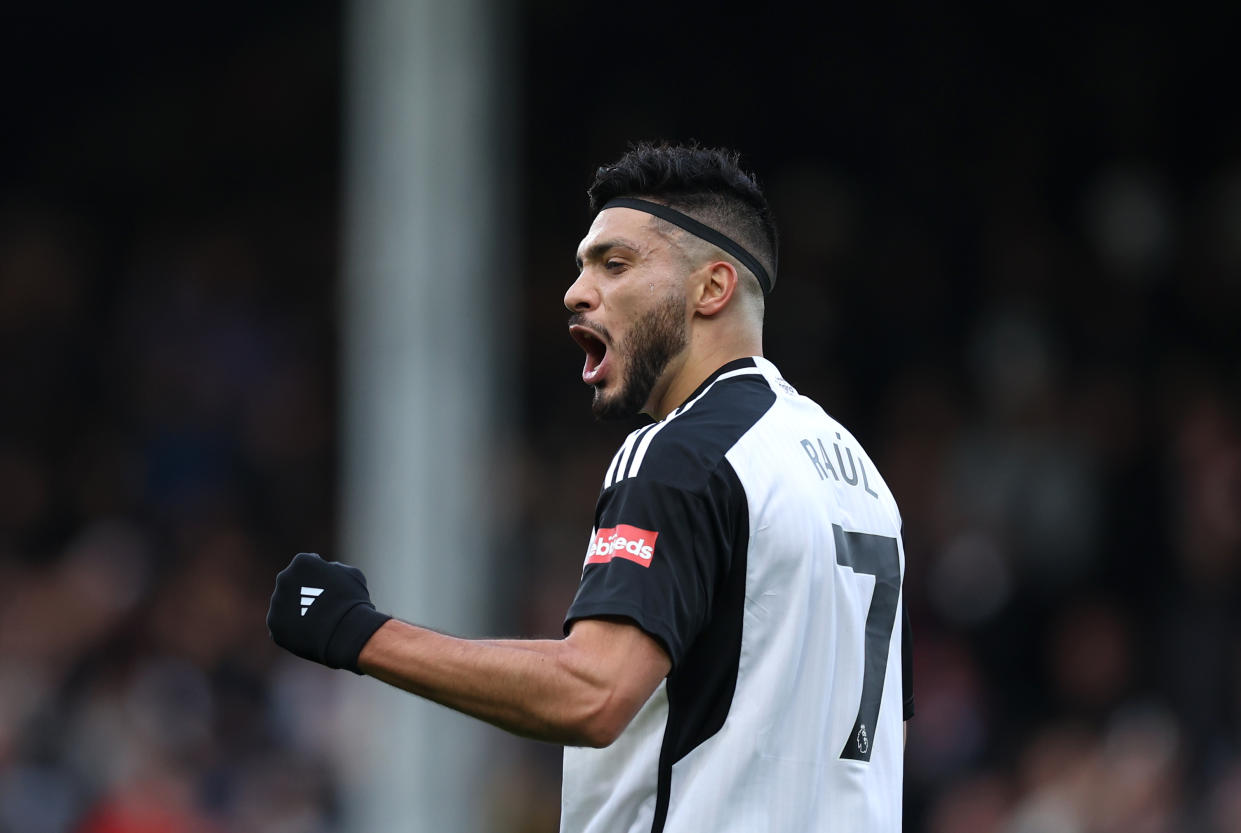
{"x":706,"y":183}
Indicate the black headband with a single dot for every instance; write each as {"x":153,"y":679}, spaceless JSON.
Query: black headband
{"x":697,"y":229}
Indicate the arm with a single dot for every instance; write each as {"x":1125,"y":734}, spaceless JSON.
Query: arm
{"x":583,"y":689}
{"x":580,"y":691}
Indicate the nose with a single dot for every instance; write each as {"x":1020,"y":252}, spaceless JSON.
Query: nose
{"x":581,"y":296}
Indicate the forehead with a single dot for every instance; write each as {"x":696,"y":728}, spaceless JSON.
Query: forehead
{"x":620,"y":225}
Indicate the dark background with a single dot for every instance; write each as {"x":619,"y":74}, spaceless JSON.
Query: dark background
{"x":1011,"y":264}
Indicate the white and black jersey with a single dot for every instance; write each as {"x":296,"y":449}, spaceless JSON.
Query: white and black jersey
{"x":750,"y":534}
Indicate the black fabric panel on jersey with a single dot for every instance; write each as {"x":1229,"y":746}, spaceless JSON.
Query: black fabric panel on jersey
{"x":683,"y":491}
{"x":668,"y":596}
{"x":907,"y":662}
{"x":700,"y":692}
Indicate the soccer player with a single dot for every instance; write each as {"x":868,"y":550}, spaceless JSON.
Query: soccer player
{"x":737,"y":656}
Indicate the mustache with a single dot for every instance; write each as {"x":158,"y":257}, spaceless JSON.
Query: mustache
{"x":578,"y":319}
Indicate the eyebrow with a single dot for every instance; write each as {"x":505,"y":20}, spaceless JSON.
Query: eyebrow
{"x":596,"y":251}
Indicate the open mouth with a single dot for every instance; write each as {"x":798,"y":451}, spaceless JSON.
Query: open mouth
{"x":596,"y":353}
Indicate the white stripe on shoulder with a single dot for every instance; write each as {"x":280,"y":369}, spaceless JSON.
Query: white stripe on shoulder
{"x":617,"y":472}
{"x":640,"y":452}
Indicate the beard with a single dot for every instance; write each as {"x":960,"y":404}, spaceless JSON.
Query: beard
{"x":654,"y":339}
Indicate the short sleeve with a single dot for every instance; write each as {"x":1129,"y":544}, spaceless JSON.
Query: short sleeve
{"x":656,"y":555}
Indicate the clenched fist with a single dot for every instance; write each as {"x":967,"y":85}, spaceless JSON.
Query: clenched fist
{"x":322,"y":611}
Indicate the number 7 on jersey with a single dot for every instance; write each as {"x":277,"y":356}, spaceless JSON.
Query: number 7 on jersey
{"x":878,"y":556}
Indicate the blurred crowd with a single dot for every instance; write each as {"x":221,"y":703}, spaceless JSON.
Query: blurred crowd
{"x":1047,"y":370}
{"x":167,"y":440}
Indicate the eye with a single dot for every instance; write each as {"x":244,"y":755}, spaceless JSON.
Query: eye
{"x":614,"y":265}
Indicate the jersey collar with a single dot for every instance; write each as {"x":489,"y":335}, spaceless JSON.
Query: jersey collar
{"x":735,"y":364}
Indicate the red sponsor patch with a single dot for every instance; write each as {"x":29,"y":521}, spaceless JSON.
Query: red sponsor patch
{"x":622,"y":541}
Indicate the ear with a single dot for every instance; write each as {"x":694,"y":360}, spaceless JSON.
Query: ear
{"x":715,"y":288}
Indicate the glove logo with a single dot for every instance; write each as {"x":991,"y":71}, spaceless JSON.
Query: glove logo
{"x":309,"y":594}
{"x":622,"y":541}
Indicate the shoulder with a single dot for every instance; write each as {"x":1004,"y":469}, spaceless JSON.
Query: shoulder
{"x":689,"y":445}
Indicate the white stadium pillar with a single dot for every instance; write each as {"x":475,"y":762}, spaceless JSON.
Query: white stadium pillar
{"x":423,"y":391}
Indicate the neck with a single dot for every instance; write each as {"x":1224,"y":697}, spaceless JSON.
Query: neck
{"x":692,"y":369}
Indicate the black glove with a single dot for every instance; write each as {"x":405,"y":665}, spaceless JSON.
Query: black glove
{"x":322,"y":611}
